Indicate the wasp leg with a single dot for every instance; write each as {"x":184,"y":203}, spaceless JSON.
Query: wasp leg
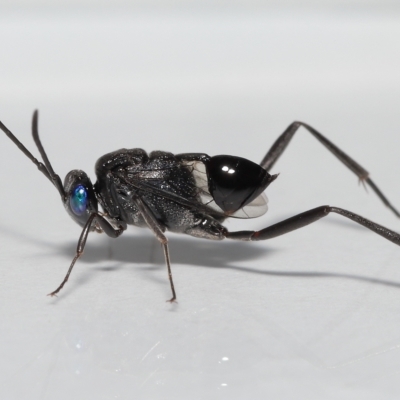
{"x":308,"y":217}
{"x":283,"y":140}
{"x":158,"y":229}
{"x":106,"y":227}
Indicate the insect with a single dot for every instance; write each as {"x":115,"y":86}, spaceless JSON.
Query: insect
{"x":189,"y":193}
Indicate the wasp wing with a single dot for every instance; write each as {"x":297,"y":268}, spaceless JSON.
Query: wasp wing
{"x":162,"y":182}
{"x":188,"y":187}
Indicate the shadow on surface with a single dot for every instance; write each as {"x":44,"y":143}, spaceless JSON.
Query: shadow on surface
{"x":136,"y":249}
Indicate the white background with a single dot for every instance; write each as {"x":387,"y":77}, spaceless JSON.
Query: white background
{"x":311,"y":315}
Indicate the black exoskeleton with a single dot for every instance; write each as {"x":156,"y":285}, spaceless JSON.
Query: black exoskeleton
{"x":189,"y":193}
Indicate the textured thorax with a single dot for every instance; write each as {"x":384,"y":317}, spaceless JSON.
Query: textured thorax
{"x":158,"y":178}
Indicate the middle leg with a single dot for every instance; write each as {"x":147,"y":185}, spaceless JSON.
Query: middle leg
{"x":158,"y":230}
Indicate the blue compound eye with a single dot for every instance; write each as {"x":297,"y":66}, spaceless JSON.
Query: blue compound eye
{"x":79,"y":200}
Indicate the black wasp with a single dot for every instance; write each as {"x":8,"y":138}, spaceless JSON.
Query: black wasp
{"x":189,"y":193}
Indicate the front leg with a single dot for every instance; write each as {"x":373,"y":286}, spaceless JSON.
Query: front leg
{"x":282,"y":142}
{"x":106,"y":227}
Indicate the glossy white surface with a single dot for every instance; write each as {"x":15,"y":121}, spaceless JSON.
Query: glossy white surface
{"x":311,"y":315}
